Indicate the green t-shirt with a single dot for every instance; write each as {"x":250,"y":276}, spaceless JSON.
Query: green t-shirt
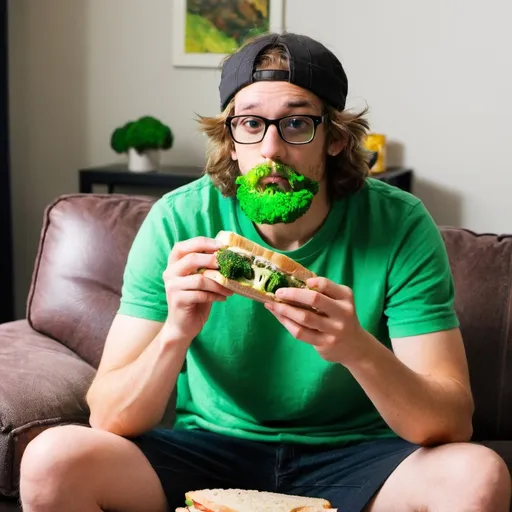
{"x":245,"y":375}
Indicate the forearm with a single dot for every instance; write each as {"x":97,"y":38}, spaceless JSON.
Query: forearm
{"x":131,"y":400}
{"x":420,"y":408}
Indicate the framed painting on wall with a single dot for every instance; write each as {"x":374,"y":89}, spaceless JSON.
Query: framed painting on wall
{"x":206,"y":31}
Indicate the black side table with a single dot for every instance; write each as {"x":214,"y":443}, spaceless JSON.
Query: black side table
{"x":400,"y":177}
{"x":171,"y":177}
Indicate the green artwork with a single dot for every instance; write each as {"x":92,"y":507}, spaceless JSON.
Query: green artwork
{"x":221,"y":26}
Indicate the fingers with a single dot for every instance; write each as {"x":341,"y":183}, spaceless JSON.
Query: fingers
{"x":329,"y":288}
{"x":327,"y":297}
{"x":183,"y":284}
{"x":307,"y":319}
{"x":190,"y":297}
{"x":302,"y":333}
{"x":191,"y":263}
{"x":334,"y":311}
{"x":199,"y":244}
{"x":197,"y":282}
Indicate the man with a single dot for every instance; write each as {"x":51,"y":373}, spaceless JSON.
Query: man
{"x":367,"y":404}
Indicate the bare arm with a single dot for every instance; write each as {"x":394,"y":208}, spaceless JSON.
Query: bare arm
{"x":137,"y":374}
{"x":142,"y":359}
{"x":421,"y":390}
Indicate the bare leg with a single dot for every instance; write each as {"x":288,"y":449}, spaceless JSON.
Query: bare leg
{"x":87,"y":470}
{"x":458,"y":477}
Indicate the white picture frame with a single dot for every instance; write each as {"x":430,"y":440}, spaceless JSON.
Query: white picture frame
{"x":210,"y":60}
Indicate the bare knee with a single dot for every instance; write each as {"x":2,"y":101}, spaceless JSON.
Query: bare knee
{"x":49,"y":463}
{"x":495,"y":481}
{"x":485,"y":478}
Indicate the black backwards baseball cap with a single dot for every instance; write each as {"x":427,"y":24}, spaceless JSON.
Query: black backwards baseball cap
{"x":312,"y":67}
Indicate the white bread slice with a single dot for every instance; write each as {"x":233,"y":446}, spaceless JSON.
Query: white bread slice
{"x":242,"y":500}
{"x":281,"y":261}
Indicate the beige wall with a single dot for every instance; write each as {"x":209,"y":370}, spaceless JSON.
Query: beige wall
{"x":435,"y":75}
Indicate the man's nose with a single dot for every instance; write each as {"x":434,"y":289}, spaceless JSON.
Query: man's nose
{"x":272,"y":145}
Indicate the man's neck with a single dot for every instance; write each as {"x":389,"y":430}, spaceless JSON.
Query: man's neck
{"x":289,"y":237}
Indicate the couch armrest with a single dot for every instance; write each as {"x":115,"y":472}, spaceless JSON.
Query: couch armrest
{"x":42,"y":384}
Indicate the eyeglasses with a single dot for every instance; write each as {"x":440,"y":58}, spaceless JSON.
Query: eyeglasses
{"x":300,"y":129}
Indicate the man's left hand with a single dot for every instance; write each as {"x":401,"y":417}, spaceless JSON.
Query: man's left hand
{"x":334,"y":330}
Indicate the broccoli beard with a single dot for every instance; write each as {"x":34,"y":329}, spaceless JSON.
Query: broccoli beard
{"x":271,"y":204}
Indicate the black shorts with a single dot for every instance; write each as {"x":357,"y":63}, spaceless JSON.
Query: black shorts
{"x":348,"y":477}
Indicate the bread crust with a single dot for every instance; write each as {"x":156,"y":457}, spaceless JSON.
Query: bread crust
{"x":300,"y":509}
{"x":314,"y":509}
{"x":214,"y":507}
{"x":281,"y":261}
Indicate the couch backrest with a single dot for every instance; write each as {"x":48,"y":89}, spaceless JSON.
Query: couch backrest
{"x":85,"y":241}
{"x":482,"y":269}
{"x":76,"y":282}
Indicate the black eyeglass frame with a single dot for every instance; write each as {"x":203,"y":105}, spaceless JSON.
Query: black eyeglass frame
{"x":317,"y":120}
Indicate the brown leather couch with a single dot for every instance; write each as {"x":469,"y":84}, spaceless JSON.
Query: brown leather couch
{"x":48,"y":360}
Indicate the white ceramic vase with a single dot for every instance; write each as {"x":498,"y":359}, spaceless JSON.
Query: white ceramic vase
{"x":146,"y":161}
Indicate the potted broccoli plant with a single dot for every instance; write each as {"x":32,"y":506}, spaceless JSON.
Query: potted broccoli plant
{"x":143,"y":140}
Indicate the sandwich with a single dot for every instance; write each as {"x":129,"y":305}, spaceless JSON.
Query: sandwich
{"x":255,"y":272}
{"x":241,"y":500}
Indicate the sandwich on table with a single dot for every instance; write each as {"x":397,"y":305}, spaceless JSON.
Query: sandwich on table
{"x":241,"y":500}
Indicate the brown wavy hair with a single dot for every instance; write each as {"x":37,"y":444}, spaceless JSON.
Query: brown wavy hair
{"x":346,"y":172}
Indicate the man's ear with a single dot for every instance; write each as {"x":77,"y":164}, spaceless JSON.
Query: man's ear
{"x":335,"y":147}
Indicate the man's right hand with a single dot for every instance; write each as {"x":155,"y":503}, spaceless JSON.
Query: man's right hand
{"x":189,"y":294}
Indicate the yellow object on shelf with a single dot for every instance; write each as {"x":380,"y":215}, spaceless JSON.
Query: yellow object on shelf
{"x":377,"y":142}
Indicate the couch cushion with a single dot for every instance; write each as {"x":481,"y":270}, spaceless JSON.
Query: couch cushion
{"x":77,"y":278}
{"x":482,"y":270}
{"x":43,"y":384}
